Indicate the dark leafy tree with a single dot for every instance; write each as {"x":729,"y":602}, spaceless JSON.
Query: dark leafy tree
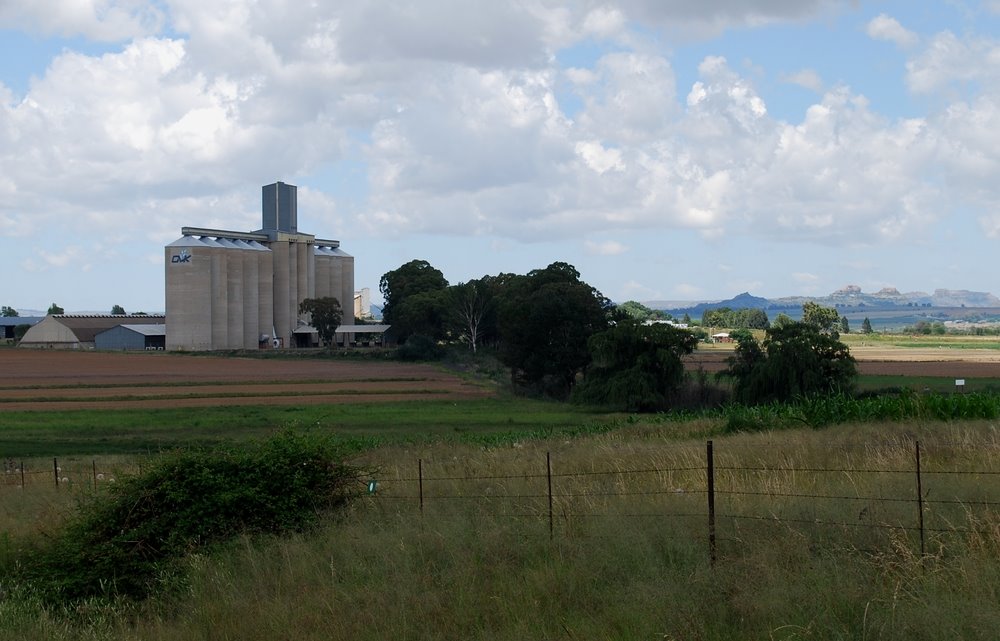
{"x":795,"y":360}
{"x":781,"y":320}
{"x":638,"y":311}
{"x":117,"y":310}
{"x":825,"y":318}
{"x":8,"y":312}
{"x":55,"y":309}
{"x":325,"y":314}
{"x":424,"y":313}
{"x":845,"y":326}
{"x":866,"y":326}
{"x":635,"y":367}
{"x":21,"y":330}
{"x":545,"y":320}
{"x":410,"y":279}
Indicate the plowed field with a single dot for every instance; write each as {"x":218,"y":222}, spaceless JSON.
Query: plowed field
{"x":56,"y":380}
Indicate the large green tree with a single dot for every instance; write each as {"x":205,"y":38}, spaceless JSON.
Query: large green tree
{"x":325,"y":315}
{"x":8,"y":312}
{"x":545,"y":320}
{"x":424,"y":313}
{"x":797,"y":359}
{"x":117,"y":310}
{"x":409,"y":279}
{"x":635,"y":367}
{"x":55,"y":309}
{"x":825,"y":318}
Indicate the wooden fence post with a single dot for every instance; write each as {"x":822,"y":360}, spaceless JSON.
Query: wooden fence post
{"x":548,"y":473}
{"x":710,"y":467}
{"x":920,"y":502}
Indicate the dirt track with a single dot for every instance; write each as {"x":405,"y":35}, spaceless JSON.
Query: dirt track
{"x":55,"y":379}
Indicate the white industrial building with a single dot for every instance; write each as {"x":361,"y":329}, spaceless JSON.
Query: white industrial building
{"x":242,"y":290}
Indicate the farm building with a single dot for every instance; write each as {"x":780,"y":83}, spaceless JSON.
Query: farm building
{"x":68,"y":331}
{"x":129,"y":336}
{"x":242,"y":290}
{"x":9,"y":323}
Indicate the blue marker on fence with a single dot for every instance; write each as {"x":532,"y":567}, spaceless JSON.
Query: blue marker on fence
{"x":372,"y":486}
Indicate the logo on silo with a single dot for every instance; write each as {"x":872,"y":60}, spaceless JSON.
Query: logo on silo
{"x":183,"y":257}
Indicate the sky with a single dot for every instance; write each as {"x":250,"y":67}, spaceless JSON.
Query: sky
{"x":668,"y":149}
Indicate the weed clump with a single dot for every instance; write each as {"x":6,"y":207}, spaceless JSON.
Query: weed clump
{"x":129,"y":542}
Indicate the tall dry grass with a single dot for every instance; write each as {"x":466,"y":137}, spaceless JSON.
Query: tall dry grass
{"x":623,"y":562}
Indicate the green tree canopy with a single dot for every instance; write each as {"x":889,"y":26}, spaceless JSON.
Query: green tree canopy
{"x":425,"y":313}
{"x":545,"y":320}
{"x":824,"y":318}
{"x":55,"y":309}
{"x":410,"y":279}
{"x":845,"y":325}
{"x":8,"y":312}
{"x":794,"y":360}
{"x":635,"y":367}
{"x":743,"y":318}
{"x":325,"y":314}
{"x":781,"y":320}
{"x":638,"y":311}
{"x":117,"y":310}
{"x":866,"y":326}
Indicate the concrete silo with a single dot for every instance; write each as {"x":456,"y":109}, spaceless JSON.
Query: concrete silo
{"x":243,"y":289}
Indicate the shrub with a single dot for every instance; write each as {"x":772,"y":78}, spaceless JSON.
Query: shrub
{"x":127,"y":542}
{"x":419,"y":348}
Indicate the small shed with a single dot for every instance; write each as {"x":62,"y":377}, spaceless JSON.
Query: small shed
{"x":722,"y":337}
{"x":132,"y":337}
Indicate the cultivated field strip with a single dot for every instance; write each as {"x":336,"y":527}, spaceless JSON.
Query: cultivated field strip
{"x":63,"y":380}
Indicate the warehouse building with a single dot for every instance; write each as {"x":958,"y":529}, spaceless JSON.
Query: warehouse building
{"x":242,"y":290}
{"x":72,"y":331}
{"x":130,"y":336}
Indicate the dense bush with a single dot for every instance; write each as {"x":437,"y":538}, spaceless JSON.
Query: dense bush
{"x":794,"y":360}
{"x":635,"y":367}
{"x":127,"y":542}
{"x":419,"y":348}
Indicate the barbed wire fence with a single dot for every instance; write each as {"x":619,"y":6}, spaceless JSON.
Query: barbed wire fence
{"x":712,"y":491}
{"x":720,"y":496}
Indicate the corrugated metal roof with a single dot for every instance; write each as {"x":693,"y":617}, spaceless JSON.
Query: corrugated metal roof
{"x":145,"y":330}
{"x":86,"y":327}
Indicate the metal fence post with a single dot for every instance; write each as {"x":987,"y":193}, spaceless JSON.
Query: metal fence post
{"x":55,"y":470}
{"x":22,"y":475}
{"x":920,"y":502}
{"x":710,"y":467}
{"x":420,"y":483}
{"x":93,"y":463}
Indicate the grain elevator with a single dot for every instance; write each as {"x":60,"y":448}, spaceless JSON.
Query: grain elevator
{"x":241,"y":290}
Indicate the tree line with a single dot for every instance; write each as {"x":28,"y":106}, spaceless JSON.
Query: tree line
{"x":562,"y":338}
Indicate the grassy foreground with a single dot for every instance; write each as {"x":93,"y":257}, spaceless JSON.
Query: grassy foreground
{"x":479,"y":565}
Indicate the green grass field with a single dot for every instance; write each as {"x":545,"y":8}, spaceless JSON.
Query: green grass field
{"x":817,"y":530}
{"x":628,"y":558}
{"x":98,"y":432}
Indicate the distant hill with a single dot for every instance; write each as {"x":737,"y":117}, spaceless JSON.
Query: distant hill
{"x":850,"y":297}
